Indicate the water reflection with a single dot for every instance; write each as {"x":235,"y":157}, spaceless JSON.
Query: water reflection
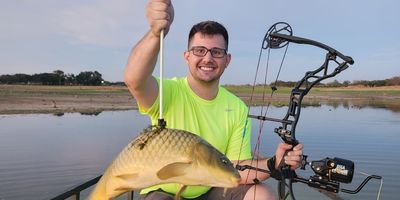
{"x":388,"y":104}
{"x":354,"y":103}
{"x":91,"y":113}
{"x":88,"y":113}
{"x":58,"y":114}
{"x":49,"y":154}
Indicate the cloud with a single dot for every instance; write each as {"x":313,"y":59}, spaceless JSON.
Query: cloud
{"x":102,"y":23}
{"x":36,"y":36}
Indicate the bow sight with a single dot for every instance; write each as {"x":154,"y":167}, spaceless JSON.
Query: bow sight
{"x":329,"y":173}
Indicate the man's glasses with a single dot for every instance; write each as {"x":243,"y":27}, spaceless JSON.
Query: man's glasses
{"x":202,"y":51}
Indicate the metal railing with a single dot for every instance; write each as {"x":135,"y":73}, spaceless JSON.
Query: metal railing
{"x":75,"y":192}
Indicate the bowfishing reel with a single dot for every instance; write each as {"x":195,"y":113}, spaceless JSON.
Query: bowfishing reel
{"x":336,"y":169}
{"x":330,"y":172}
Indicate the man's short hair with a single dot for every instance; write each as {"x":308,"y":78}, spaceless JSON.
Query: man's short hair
{"x":209,"y":28}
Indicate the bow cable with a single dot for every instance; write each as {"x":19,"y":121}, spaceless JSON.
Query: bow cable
{"x":256,"y":149}
{"x":326,"y":177}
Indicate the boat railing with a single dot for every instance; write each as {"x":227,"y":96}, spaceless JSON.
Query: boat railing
{"x":75,"y":192}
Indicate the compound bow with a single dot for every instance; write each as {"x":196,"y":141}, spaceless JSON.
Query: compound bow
{"x":329,"y":173}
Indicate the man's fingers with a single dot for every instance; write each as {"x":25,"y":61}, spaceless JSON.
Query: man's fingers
{"x":285,"y":146}
{"x":298,"y":147}
{"x":160,"y":14}
{"x":295,"y":153}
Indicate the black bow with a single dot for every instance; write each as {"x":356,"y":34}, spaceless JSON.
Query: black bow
{"x":326,"y":176}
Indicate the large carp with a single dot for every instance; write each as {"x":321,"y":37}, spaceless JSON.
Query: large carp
{"x":162,"y":155}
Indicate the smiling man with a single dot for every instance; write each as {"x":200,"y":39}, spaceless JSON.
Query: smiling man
{"x":198,"y":104}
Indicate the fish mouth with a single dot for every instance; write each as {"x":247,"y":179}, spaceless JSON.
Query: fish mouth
{"x":235,"y":180}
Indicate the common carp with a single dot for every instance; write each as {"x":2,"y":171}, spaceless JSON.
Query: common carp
{"x":162,"y":155}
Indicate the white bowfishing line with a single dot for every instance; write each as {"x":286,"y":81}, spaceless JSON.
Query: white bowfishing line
{"x":161,"y":72}
{"x":378,"y":197}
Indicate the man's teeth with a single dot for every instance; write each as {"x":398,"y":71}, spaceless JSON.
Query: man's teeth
{"x":206,"y":68}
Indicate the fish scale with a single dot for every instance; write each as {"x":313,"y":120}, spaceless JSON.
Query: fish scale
{"x":162,"y":155}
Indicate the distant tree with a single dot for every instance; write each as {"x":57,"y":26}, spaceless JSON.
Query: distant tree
{"x":393,"y":81}
{"x":57,"y":77}
{"x":89,"y":78}
{"x":14,"y":79}
{"x":45,"y":79}
{"x":335,"y":83}
{"x":280,"y":83}
{"x":22,"y":78}
{"x":6,"y":79}
{"x":119,"y":83}
{"x":360,"y":82}
{"x":377,"y":83}
{"x":70,"y":79}
{"x":61,"y":76}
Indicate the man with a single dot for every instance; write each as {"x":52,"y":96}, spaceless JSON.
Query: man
{"x":198,"y":104}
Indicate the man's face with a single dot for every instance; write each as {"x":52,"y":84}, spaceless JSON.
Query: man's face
{"x":206,"y":69}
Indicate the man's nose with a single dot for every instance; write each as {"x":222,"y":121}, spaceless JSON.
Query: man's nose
{"x":208,"y":56}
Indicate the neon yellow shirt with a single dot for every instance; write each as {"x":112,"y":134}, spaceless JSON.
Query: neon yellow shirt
{"x":221,"y":122}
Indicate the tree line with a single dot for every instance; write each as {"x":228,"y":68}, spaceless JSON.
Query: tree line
{"x":372,"y":83}
{"x":57,"y":77}
{"x":368,"y":83}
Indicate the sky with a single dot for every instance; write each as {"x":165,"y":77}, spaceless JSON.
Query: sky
{"x":88,"y":35}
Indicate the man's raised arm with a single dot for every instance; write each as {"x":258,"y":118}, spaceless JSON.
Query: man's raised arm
{"x":143,"y":57}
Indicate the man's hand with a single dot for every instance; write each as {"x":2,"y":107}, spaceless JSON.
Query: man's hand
{"x":293,"y":157}
{"x":160,"y":15}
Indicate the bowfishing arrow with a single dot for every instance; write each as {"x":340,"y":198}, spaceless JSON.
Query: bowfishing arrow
{"x":161,"y":122}
{"x":329,"y":173}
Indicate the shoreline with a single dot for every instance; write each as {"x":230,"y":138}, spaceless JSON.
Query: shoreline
{"x":25,"y":99}
{"x":66,"y":104}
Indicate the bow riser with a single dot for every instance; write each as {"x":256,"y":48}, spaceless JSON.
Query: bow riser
{"x":274,"y":39}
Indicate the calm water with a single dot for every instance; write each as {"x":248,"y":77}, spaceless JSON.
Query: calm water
{"x":43,"y":155}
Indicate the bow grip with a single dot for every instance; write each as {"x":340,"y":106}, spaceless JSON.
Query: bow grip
{"x":286,"y":136}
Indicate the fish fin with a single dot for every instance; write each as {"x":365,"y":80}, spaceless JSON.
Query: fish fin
{"x":180,"y":191}
{"x":173,"y":170}
{"x":224,"y":194}
{"x":202,"y":150}
{"x":117,"y":191}
{"x":120,"y":184}
{"x":128,"y":177}
{"x":123,"y":189}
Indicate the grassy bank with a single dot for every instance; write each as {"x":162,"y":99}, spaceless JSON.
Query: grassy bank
{"x":42,"y":90}
{"x":55,"y":99}
{"x":21,"y":99}
{"x":351,"y":90}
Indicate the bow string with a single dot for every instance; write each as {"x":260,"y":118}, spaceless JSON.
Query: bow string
{"x":278,"y":36}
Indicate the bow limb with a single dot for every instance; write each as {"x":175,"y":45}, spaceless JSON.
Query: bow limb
{"x":275,"y":39}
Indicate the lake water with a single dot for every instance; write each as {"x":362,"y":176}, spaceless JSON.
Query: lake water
{"x":42,"y":155}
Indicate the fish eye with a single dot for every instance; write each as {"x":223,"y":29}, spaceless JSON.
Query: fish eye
{"x":223,"y":160}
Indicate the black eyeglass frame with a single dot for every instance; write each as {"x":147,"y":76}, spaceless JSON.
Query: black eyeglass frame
{"x":212,"y":51}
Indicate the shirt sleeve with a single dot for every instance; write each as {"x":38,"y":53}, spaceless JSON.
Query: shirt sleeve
{"x":154,"y":111}
{"x":239,"y":147}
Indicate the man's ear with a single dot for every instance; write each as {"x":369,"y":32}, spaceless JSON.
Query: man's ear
{"x":228,"y":59}
{"x":186,"y":55}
